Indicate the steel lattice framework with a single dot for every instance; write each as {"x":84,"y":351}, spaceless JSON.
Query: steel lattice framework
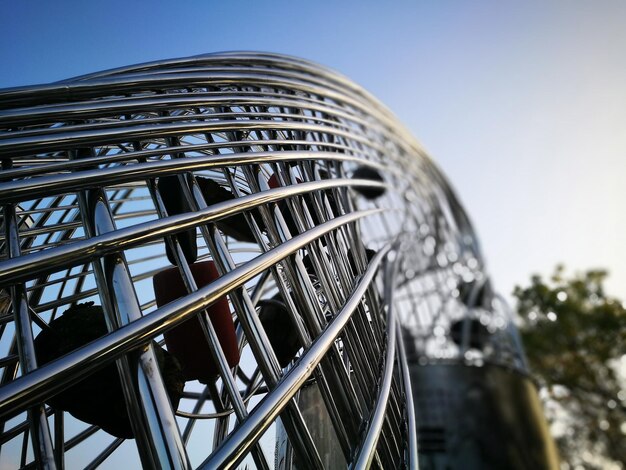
{"x":342,"y":221}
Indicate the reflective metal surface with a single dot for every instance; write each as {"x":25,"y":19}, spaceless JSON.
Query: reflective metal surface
{"x":320,"y":204}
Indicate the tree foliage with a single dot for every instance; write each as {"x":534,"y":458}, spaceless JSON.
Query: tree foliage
{"x":573,"y":334}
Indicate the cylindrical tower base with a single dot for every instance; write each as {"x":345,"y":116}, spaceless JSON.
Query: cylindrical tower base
{"x":479,"y":418}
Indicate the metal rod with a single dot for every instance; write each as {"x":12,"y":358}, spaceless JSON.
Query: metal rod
{"x":256,"y":337}
{"x":39,"y":384}
{"x":235,"y":446}
{"x":81,"y":251}
{"x":411,"y":419}
{"x":210,"y":334}
{"x":45,"y":186}
{"x":150,"y":412}
{"x":368,"y":446}
{"x":39,"y":430}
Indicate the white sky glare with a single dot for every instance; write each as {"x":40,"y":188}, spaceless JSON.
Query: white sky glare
{"x":523,"y":104}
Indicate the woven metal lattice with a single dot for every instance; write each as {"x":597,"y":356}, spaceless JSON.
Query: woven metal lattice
{"x":323,"y":235}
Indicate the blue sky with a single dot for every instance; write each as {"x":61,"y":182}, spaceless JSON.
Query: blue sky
{"x":523,"y":104}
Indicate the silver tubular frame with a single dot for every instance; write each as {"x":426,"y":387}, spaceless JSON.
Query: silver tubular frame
{"x":356,"y":263}
{"x":158,"y":440}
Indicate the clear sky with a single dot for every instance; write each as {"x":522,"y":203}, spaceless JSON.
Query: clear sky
{"x":523,"y":104}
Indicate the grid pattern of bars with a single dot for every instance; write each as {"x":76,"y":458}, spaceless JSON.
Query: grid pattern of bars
{"x":276,"y":164}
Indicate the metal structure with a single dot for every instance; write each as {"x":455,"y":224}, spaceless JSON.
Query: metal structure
{"x":342,"y":222}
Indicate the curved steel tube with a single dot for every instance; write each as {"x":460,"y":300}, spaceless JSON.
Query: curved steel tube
{"x":368,"y":448}
{"x":234,"y":447}
{"x":25,"y":267}
{"x":318,"y":180}
{"x":37,"y":385}
{"x":411,"y":444}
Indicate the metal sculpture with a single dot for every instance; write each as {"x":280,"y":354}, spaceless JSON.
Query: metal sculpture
{"x":266,"y":207}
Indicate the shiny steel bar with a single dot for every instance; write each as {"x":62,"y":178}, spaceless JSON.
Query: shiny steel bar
{"x":268,"y":364}
{"x":26,"y":267}
{"x":82,"y":90}
{"x":47,"y":185}
{"x":63,"y":166}
{"x":233,"y":449}
{"x":40,"y":432}
{"x":52,"y":377}
{"x":21,"y":146}
{"x":411,"y":419}
{"x":368,"y":448}
{"x":150,"y":412}
{"x":336,"y":390}
{"x":209,"y":332}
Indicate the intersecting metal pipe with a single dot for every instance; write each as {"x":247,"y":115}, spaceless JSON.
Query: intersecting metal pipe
{"x":150,"y":411}
{"x":235,"y":446}
{"x":40,"y":432}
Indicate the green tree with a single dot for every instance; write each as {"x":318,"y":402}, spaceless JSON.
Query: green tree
{"x":574,"y":334}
